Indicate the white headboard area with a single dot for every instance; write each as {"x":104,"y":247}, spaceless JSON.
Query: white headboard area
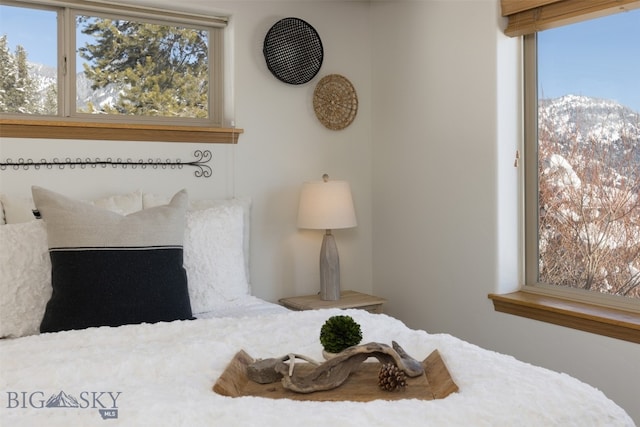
{"x":205,"y":170}
{"x":148,"y":172}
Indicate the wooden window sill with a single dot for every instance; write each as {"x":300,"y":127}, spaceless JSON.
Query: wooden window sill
{"x":620,"y":324}
{"x":62,"y":129}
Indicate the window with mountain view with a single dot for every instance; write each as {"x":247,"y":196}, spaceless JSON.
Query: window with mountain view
{"x":114,"y":66}
{"x":583,"y":213}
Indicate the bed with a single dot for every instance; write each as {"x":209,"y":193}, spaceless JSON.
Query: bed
{"x":161,"y":372}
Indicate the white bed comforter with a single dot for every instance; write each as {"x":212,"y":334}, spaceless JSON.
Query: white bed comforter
{"x":162,"y":375}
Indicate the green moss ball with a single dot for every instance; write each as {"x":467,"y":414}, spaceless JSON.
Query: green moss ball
{"x":340,"y":332}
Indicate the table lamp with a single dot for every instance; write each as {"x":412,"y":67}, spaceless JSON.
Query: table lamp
{"x":327,"y":205}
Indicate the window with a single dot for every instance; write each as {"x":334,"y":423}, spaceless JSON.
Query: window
{"x":582,"y":163}
{"x":140,"y":68}
{"x":99,"y":63}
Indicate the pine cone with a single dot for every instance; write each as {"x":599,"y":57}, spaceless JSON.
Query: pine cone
{"x":391,"y":378}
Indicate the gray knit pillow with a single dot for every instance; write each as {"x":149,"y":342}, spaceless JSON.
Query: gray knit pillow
{"x":108,"y":269}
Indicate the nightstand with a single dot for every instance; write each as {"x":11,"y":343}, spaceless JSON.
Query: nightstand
{"x":348,"y":299}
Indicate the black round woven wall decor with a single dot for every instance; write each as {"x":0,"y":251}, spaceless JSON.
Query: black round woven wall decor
{"x":293,"y":51}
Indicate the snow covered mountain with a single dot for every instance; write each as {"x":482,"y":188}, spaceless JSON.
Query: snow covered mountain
{"x":585,"y":117}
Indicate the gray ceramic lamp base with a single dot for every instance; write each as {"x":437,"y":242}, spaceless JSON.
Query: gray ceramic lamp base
{"x":329,"y":269}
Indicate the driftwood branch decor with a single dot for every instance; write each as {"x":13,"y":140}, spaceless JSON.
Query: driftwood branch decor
{"x":334,"y":372}
{"x":363,"y":384}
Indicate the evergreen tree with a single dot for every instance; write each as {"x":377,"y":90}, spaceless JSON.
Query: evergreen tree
{"x":26,"y":90}
{"x":18,"y":91}
{"x":158,"y":70}
{"x":7,"y":77}
{"x":50,"y":102}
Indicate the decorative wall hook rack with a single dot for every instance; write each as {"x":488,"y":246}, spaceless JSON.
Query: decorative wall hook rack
{"x":202,"y":157}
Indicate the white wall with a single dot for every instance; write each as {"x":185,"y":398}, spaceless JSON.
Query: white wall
{"x":283,"y":145}
{"x":445,"y":131}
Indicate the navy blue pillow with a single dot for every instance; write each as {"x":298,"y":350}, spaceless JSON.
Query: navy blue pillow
{"x":110,"y":270}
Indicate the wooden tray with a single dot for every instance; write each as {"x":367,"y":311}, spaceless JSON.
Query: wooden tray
{"x":361,"y":386}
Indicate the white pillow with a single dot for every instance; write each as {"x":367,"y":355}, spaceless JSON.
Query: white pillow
{"x":214,"y":257}
{"x":19,"y":209}
{"x":25,"y":278}
{"x":150,"y":200}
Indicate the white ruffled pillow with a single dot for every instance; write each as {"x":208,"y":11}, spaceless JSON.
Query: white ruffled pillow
{"x":214,"y":257}
{"x":150,"y":200}
{"x":25,"y":278}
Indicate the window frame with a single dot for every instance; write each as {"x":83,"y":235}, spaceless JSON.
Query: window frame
{"x":68,"y":124}
{"x":589,"y":311}
{"x":531,"y":259}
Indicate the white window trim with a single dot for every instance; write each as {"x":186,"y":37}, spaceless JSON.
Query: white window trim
{"x":104,"y":6}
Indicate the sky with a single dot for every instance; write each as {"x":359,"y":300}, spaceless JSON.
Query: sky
{"x":22,"y":22}
{"x":578,"y":59}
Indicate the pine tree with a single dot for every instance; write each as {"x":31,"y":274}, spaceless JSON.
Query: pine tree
{"x":18,"y":91}
{"x":159,"y":70}
{"x":26,"y":90}
{"x":50,"y":102}
{"x":7,"y":77}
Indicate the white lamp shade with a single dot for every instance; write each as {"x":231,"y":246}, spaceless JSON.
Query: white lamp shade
{"x":326,"y":205}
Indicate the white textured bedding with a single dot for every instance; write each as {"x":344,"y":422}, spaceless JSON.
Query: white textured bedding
{"x":164,"y":373}
{"x":246,"y":306}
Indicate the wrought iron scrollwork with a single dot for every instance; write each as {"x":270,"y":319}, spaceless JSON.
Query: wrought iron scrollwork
{"x":202,"y":157}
